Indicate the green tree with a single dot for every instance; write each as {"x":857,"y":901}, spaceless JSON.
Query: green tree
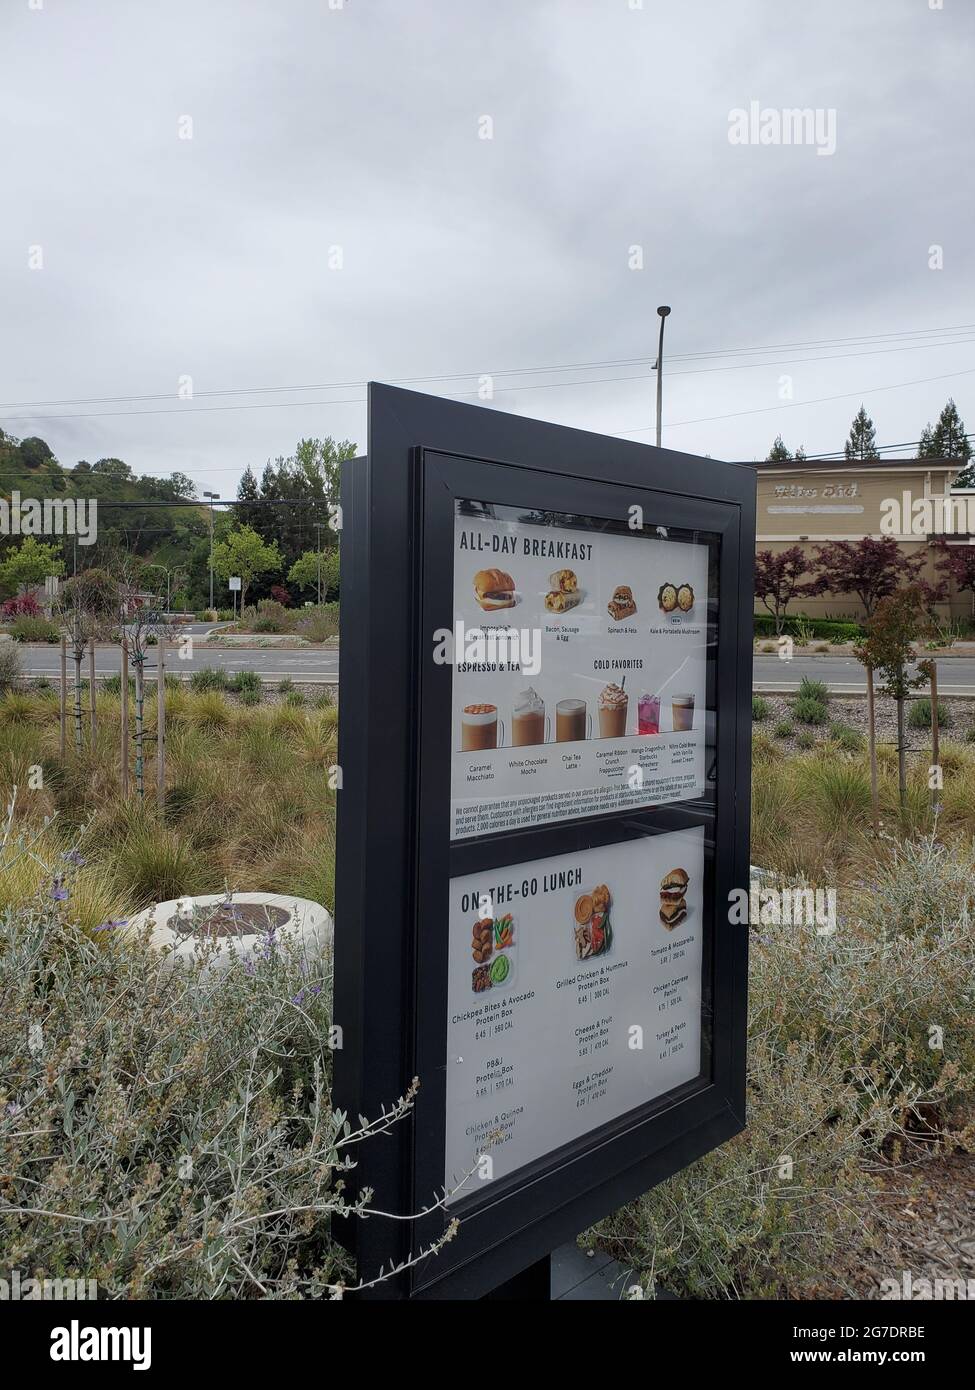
{"x":113,"y":468}
{"x":925,"y":445}
{"x":243,"y":552}
{"x":314,"y":569}
{"x":35,"y":452}
{"x":29,"y":564}
{"x":304,"y":491}
{"x":778,"y":452}
{"x":183,"y":486}
{"x":862,"y":443}
{"x":949,"y":438}
{"x":247,"y":512}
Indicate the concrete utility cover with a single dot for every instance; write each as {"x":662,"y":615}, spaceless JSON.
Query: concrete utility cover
{"x":238,"y":927}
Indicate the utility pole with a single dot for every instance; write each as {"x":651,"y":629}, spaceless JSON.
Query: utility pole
{"x":318,"y":548}
{"x":663,"y":311}
{"x":214,"y":497}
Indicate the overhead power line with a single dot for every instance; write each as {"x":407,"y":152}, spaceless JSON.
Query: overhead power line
{"x":860,"y":339}
{"x":460,"y":395}
{"x":928,"y":336}
{"x":815,"y":400}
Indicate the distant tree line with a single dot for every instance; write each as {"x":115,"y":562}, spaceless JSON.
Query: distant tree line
{"x":948,"y":439}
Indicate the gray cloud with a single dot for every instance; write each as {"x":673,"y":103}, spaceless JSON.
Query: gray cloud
{"x":358,"y":127}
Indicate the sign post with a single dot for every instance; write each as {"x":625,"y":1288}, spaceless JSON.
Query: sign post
{"x":234,"y":585}
{"x":544,"y":739}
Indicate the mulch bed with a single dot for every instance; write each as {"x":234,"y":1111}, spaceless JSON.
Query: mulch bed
{"x":921,"y":1221}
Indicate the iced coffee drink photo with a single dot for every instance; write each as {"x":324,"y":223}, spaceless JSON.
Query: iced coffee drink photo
{"x":478,"y":728}
{"x":682,"y":707}
{"x":613,"y":704}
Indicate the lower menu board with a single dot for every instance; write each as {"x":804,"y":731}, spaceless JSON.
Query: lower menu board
{"x":574,"y":997}
{"x":580,"y":656}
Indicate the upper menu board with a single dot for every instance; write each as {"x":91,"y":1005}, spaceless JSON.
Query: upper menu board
{"x":579,"y":668}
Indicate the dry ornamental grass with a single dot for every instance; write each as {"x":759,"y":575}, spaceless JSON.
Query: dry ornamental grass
{"x":249,"y":801}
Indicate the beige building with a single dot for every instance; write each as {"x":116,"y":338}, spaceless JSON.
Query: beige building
{"x":813,"y":502}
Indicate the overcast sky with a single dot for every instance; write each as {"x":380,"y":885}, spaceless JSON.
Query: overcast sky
{"x":359,"y":127}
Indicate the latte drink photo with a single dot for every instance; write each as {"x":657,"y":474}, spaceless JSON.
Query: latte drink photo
{"x":479,"y":728}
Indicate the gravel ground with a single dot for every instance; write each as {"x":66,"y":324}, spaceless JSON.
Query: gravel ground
{"x":852,"y":713}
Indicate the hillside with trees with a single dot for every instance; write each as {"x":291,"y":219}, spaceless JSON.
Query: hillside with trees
{"x":292,"y":510}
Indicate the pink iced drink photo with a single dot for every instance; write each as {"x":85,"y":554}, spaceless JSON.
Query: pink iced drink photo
{"x":648,"y":714}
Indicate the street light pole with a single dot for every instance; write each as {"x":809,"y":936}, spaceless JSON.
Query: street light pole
{"x":214,"y":497}
{"x":663,"y":311}
{"x":157,"y":566}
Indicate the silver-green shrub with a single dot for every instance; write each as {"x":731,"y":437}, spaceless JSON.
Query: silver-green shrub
{"x":11,"y":670}
{"x":166,"y":1131}
{"x":858,"y":1041}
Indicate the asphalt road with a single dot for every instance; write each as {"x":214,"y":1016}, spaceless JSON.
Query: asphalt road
{"x":267,"y":661}
{"x":844,"y":675}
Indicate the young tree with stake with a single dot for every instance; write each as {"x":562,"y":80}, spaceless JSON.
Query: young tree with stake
{"x":87,"y":606}
{"x":143,"y":625}
{"x":900,"y":620}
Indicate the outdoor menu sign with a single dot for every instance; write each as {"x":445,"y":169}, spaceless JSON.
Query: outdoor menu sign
{"x":544,"y":738}
{"x":619,"y":682}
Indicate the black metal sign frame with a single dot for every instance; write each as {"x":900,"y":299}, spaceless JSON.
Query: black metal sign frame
{"x":394,"y":853}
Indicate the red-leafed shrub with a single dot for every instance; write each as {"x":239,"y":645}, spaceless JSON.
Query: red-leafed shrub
{"x":280,"y":595}
{"x":23,"y":606}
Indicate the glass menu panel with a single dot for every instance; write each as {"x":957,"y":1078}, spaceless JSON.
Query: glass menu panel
{"x":573,"y":997}
{"x":580,"y":663}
